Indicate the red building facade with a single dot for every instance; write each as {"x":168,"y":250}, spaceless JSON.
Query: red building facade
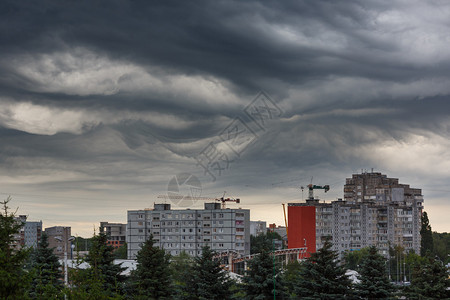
{"x":302,"y":228}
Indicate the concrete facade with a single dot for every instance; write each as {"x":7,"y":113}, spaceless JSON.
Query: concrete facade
{"x":376,"y":211}
{"x":58,"y":238}
{"x":189,"y":230}
{"x":116,"y":233}
{"x":258,"y":227}
{"x":32,"y":233}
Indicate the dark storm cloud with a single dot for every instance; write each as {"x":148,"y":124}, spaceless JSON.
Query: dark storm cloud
{"x":95,"y":93}
{"x":243,"y":42}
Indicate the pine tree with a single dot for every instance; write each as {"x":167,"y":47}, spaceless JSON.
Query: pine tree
{"x":208,"y":280}
{"x":374,"y":283}
{"x":263,"y":278}
{"x":181,"y":266}
{"x":13,"y":279}
{"x":46,"y":281}
{"x":151,"y":279}
{"x":429,"y":281}
{"x":290,"y":276}
{"x":426,"y":243}
{"x":102,"y":267}
{"x":263,"y":242}
{"x":321,"y":276}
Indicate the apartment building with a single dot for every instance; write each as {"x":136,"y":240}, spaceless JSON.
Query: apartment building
{"x":116,"y":233}
{"x":258,"y":227}
{"x":32,"y":233}
{"x":377,"y":210}
{"x":190,"y":229}
{"x":59,"y":239}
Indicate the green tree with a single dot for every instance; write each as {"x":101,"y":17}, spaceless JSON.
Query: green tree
{"x":263,"y":279}
{"x":121,"y":252}
{"x":13,"y":279}
{"x":208,"y":279}
{"x":151,"y":279}
{"x":103,"y":279}
{"x":46,"y":274}
{"x":426,"y":243}
{"x":374,"y":282}
{"x":180,"y":267}
{"x":429,"y":281}
{"x":441,"y":246}
{"x":263,"y":242}
{"x":101,"y":261}
{"x":290,"y":276}
{"x":321,"y":276}
{"x":353,"y":258}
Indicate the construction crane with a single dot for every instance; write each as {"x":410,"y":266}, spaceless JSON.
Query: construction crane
{"x":222,"y":199}
{"x":285,"y":220}
{"x":312,"y":187}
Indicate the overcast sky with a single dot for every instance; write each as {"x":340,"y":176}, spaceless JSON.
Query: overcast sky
{"x":103,"y":103}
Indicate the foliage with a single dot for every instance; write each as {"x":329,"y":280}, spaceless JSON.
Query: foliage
{"x":151,"y":279}
{"x":46,"y":274}
{"x":13,"y":279}
{"x":354,"y":258}
{"x":208,"y":280}
{"x":290,"y":276}
{"x":121,"y":252}
{"x":180,"y":269}
{"x":263,"y":242}
{"x":82,"y":244}
{"x":321,"y":276}
{"x":263,"y":278}
{"x":103,"y":278}
{"x":426,"y":243}
{"x":441,"y":246}
{"x":429,"y":281}
{"x":375,"y":283}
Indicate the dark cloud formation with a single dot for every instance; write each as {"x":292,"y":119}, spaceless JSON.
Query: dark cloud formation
{"x":101,"y":103}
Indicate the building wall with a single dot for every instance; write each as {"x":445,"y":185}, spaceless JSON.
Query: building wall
{"x":377,"y":210}
{"x":116,"y":233}
{"x":58,"y":238}
{"x":32,"y":233}
{"x":302,"y":227}
{"x":258,"y":227}
{"x":189,"y":230}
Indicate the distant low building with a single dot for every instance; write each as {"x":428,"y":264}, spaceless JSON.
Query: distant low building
{"x":258,"y":227}
{"x":58,"y":238}
{"x":116,"y":233}
{"x":281,"y":230}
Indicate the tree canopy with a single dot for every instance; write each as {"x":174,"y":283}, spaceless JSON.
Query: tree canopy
{"x":13,"y":279}
{"x":322,"y":277}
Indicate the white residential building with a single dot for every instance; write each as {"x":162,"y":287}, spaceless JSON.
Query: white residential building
{"x":190,"y":229}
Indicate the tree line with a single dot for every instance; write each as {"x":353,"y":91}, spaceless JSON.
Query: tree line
{"x":36,"y":274}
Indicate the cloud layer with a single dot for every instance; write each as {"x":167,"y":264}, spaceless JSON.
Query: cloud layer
{"x":101,"y":104}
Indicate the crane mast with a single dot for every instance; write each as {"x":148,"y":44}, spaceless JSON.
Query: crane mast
{"x":312,"y":187}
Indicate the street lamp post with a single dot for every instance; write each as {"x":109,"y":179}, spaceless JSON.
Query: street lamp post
{"x":66,"y":271}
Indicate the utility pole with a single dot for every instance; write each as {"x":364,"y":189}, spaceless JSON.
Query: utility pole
{"x":273,"y":256}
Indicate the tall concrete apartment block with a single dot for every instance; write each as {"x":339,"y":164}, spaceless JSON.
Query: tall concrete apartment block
{"x":190,"y":229}
{"x":376,"y":210}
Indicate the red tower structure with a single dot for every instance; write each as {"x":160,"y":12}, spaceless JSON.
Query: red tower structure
{"x":302,"y":228}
